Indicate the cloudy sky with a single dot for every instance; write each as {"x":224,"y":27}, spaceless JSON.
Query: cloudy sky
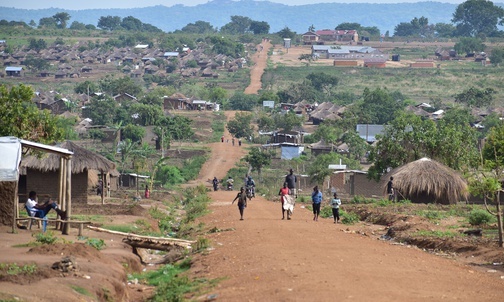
{"x":75,"y":5}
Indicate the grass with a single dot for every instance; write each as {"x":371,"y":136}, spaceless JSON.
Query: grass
{"x":82,"y":291}
{"x":437,"y":234}
{"x":172,"y":284}
{"x":13,"y":269}
{"x":423,"y":84}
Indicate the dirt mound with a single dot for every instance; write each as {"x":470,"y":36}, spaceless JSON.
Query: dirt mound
{"x":108,"y":209}
{"x":25,"y":278}
{"x":75,"y":249}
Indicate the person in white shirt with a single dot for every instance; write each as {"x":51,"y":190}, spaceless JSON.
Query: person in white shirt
{"x":40,"y":210}
{"x":335,"y":204}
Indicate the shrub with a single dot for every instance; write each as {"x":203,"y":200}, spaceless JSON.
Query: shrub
{"x":361,"y":200}
{"x":349,"y":218}
{"x":46,"y":238}
{"x":480,"y":217}
{"x":98,"y":244}
{"x":326,"y":212}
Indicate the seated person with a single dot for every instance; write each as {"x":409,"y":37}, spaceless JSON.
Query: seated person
{"x":40,"y":210}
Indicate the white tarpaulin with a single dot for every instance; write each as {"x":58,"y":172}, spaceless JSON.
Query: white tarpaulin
{"x":289,"y":152}
{"x":10,"y":153}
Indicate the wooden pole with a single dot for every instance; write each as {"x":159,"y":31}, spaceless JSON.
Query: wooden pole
{"x":103,"y":186}
{"x":68,"y":192}
{"x":61,"y":184}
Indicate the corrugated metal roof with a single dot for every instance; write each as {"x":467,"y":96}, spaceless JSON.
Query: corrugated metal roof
{"x":13,"y":68}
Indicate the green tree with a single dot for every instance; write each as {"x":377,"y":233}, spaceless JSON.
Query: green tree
{"x":178,"y":127}
{"x":487,"y":183}
{"x":125,"y":84}
{"x":242,"y":101}
{"x":76,"y":25}
{"x":240,"y":125}
{"x":109,"y":22}
{"x":133,"y":133}
{"x":258,"y":159}
{"x":265,"y":123}
{"x":469,"y":45}
{"x":146,"y":115}
{"x":101,"y":111}
{"x":22,"y":119}
{"x":288,"y":121}
{"x":259,"y":27}
{"x":497,"y":56}
{"x":287,"y":33}
{"x":131,"y":23}
{"x":217,"y":94}
{"x":322,"y":81}
{"x":35,"y":63}
{"x":474,"y":97}
{"x":198,"y":27}
{"x":238,"y":25}
{"x":61,"y":19}
{"x":86,"y":87}
{"x":47,"y":22}
{"x":37,"y":45}
{"x":327,"y":133}
{"x":476,"y":17}
{"x":445,"y":30}
{"x":379,"y":106}
{"x":357,"y":146}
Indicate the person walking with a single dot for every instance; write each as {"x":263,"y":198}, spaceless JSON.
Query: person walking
{"x":232,"y":141}
{"x":335,"y":204}
{"x":316,"y":201}
{"x":291,"y":181}
{"x":284,"y":194}
{"x":390,"y":189}
{"x":242,"y":201}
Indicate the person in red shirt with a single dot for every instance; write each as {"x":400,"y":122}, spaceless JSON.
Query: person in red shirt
{"x":284,"y":191}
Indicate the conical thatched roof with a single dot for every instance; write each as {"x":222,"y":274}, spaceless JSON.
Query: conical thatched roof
{"x":426,"y":180}
{"x":82,"y":159}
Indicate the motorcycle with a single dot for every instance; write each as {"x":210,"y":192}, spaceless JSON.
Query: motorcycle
{"x":230,"y":187}
{"x":250,"y":192}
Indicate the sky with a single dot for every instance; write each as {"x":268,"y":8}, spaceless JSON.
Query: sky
{"x":89,"y":4}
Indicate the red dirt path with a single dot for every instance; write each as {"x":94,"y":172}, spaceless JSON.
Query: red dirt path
{"x":264,"y":258}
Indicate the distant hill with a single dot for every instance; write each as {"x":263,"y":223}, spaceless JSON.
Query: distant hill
{"x":297,"y":18}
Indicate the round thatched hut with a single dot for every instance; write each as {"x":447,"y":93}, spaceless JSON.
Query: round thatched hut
{"x":428,"y":181}
{"x":42,"y":173}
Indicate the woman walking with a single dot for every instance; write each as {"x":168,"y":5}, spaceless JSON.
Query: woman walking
{"x":316,"y":201}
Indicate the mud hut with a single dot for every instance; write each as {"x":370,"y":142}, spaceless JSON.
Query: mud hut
{"x":42,"y":173}
{"x":428,"y":181}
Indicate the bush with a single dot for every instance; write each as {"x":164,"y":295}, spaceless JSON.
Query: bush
{"x":98,"y":244}
{"x":361,"y":200}
{"x":480,"y":217}
{"x":349,"y":218}
{"x":326,"y":212}
{"x":46,"y":238}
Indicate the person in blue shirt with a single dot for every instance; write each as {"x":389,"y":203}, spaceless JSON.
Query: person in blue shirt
{"x":316,"y":202}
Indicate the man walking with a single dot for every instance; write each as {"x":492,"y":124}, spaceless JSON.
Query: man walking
{"x":291,"y":181}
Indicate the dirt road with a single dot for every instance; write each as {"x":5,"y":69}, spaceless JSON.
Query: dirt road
{"x":265,"y":258}
{"x":259,"y":58}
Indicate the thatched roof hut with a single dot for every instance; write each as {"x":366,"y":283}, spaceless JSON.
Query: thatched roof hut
{"x":428,"y":181}
{"x":82,"y":160}
{"x":42,"y":173}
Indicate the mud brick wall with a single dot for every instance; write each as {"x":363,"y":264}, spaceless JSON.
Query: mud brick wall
{"x":7,"y":196}
{"x":48,"y":183}
{"x":362,"y":186}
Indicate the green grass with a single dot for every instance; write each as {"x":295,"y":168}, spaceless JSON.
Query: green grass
{"x":14,"y":269}
{"x":172,"y":284}
{"x":82,"y":291}
{"x":423,"y":84}
{"x":438,"y":234}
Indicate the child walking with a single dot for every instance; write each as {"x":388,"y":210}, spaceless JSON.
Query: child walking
{"x":335,"y":204}
{"x":242,"y":201}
